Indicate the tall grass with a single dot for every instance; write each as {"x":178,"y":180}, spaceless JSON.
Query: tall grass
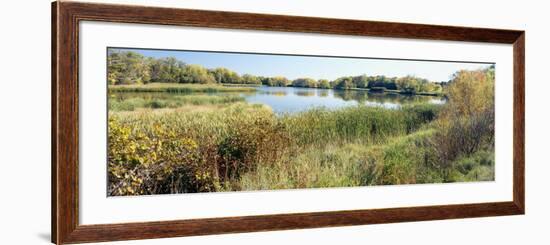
{"x":400,"y":160}
{"x":358,"y":123}
{"x":132,"y":101}
{"x":231,"y":148}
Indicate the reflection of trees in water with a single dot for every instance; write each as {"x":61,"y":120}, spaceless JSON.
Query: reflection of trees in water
{"x":322,"y":93}
{"x":399,"y":98}
{"x":362,"y":96}
{"x":347,"y":95}
{"x":306,"y":93}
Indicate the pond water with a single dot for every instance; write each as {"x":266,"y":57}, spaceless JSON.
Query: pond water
{"x":291,"y":99}
{"x":280,"y":99}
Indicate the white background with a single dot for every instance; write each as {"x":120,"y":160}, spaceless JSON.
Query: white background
{"x":25,"y":122}
{"x":96,"y":208}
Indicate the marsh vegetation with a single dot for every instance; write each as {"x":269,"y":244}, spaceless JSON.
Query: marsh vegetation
{"x":198,"y":131}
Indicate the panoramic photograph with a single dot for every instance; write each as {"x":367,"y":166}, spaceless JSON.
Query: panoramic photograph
{"x":204,"y":121}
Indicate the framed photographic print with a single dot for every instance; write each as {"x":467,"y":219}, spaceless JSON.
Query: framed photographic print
{"x":176,"y":122}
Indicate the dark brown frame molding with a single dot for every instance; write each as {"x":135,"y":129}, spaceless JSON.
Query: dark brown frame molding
{"x":65,"y":137}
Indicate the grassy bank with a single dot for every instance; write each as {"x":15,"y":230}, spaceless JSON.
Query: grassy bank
{"x":402,"y":159}
{"x":177,"y":88}
{"x":132,"y":101}
{"x":247,"y":147}
{"x":228,"y":87}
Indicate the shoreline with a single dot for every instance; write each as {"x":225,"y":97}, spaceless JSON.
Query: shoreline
{"x":230,"y":87}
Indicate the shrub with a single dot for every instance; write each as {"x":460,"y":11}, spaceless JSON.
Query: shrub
{"x":250,"y":141}
{"x":466,"y":124}
{"x":418,"y":114}
{"x":155,"y":161}
{"x":464,"y":136}
{"x":177,"y":152}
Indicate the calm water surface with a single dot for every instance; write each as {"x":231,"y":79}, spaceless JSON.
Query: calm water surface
{"x":290,"y":99}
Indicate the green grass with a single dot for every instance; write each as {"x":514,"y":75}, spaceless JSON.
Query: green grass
{"x":133,"y":101}
{"x":333,"y":165}
{"x":479,"y":166}
{"x":340,"y":164}
{"x":240,"y":146}
{"x":358,"y":123}
{"x":178,"y":88}
{"x":403,"y":159}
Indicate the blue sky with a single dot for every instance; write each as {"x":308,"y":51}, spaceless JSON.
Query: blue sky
{"x":330,"y":68}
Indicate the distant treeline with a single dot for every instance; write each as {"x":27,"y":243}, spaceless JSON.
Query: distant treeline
{"x":127,"y":67}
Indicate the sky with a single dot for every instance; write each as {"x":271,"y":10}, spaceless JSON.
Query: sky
{"x":295,"y":66}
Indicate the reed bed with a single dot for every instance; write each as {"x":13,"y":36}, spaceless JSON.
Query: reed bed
{"x":133,"y":101}
{"x":247,"y":147}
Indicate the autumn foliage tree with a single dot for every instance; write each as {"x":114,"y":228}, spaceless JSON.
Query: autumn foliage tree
{"x":466,"y":124}
{"x":128,"y":67}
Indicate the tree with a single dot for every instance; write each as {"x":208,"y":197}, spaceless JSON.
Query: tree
{"x":344,"y":83}
{"x":196,"y":74}
{"x":127,"y":68}
{"x":430,"y":87}
{"x":278,"y":81}
{"x":324,"y":83}
{"x":224,"y":75}
{"x":250,"y":79}
{"x":471,"y":92}
{"x":412,"y":84}
{"x":166,"y":70}
{"x":382,"y":82}
{"x":407,"y":84}
{"x":360,"y":81}
{"x":304,"y":83}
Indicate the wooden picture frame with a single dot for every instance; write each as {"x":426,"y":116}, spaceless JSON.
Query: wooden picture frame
{"x":65,"y":121}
